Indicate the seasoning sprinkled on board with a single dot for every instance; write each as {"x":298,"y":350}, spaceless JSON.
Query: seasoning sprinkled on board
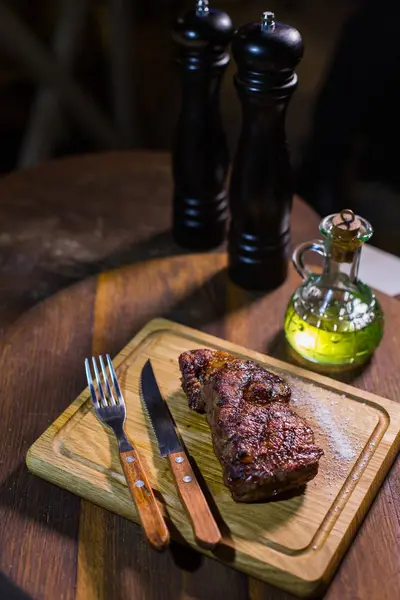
{"x":334,"y":427}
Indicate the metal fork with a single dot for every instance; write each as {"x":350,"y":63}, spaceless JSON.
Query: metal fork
{"x":109,"y":406}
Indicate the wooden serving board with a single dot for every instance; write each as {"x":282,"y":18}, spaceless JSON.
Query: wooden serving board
{"x":295,"y":543}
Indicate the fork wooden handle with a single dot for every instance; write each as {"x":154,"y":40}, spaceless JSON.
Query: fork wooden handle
{"x":204,"y":526}
{"x":148,"y":510}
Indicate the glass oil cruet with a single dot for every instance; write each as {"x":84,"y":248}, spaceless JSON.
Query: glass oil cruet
{"x":333,"y":319}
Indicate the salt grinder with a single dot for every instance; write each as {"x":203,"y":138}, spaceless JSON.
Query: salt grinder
{"x":266,"y":54}
{"x":200,"y":156}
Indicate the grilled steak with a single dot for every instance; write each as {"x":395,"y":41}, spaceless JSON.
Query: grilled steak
{"x":263,"y":446}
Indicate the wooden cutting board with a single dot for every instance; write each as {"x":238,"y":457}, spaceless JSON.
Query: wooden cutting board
{"x":295,"y":543}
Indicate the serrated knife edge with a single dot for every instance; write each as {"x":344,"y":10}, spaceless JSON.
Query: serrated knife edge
{"x":160,"y":418}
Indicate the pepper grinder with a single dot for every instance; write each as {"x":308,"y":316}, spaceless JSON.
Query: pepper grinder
{"x":261,"y":190}
{"x":200,"y":155}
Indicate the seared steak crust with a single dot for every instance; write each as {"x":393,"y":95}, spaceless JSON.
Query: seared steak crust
{"x":264,"y":447}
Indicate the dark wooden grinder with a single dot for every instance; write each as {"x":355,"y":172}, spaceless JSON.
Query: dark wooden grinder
{"x":200,"y":156}
{"x":266,"y":54}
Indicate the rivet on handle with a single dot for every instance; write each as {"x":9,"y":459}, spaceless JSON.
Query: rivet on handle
{"x":130,"y":459}
{"x":139,"y":483}
{"x":187,"y":479}
{"x":179,"y":459}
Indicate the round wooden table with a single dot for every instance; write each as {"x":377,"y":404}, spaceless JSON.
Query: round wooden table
{"x":68,"y":219}
{"x":55,"y":545}
{"x":61,"y":222}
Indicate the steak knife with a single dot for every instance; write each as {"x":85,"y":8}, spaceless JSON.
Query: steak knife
{"x":204,"y":527}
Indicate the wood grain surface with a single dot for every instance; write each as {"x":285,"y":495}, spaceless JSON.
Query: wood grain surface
{"x":69,"y":219}
{"x":205,"y":528}
{"x":148,"y":511}
{"x":295,"y":542}
{"x":42,"y":368}
{"x":70,"y":229}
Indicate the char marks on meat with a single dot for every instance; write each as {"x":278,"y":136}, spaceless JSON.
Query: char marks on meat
{"x":264,"y":446}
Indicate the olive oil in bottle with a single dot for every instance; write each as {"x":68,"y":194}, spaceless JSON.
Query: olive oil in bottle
{"x":334,"y":319}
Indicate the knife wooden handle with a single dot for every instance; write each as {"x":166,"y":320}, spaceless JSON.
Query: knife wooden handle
{"x":148,"y":510}
{"x":204,"y":526}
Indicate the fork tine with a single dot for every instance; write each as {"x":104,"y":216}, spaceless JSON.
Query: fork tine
{"x":98,"y":380}
{"x":109,"y":390}
{"x":90,"y":384}
{"x":115,"y":381}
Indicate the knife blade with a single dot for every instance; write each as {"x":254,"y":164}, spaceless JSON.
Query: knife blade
{"x":204,"y":527}
{"x":159,"y":415}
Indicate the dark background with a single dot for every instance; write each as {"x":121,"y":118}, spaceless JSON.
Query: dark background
{"x":342,"y":125}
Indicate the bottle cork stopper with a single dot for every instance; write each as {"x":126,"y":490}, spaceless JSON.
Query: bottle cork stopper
{"x":346,"y":223}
